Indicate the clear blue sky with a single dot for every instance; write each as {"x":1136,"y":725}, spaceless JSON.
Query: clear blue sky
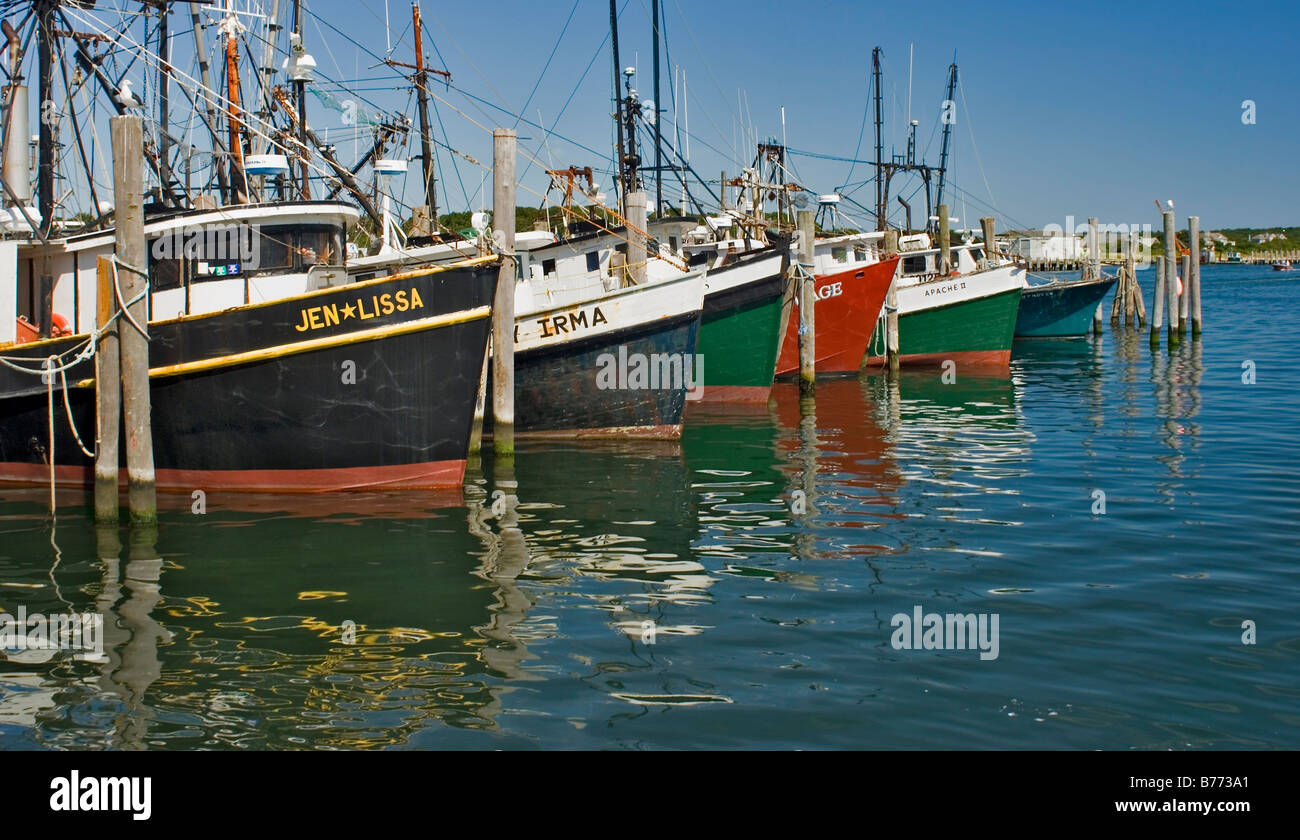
{"x":1064,"y":108}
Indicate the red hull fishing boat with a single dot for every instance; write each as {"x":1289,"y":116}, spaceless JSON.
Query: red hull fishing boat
{"x":848,"y":303}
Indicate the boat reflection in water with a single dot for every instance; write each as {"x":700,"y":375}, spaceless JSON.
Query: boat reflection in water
{"x":578,"y":569}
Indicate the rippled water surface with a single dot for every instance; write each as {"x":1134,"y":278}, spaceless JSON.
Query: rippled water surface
{"x":770,"y":628}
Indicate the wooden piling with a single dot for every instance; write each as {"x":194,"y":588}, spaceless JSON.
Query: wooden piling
{"x":503,"y":308}
{"x":807,"y":304}
{"x":1171,"y":276}
{"x":1093,"y":269}
{"x":1158,"y":303}
{"x":635,"y":204}
{"x":1194,"y":234}
{"x":1117,"y":302}
{"x":945,"y":241}
{"x":990,"y":240}
{"x":891,"y":304}
{"x":128,"y":199}
{"x":1185,"y":299}
{"x":1094,"y":248}
{"x":108,"y":396}
{"x":1135,"y":291}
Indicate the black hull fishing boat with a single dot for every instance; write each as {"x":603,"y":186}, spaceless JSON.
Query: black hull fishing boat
{"x":364,"y":385}
{"x":616,"y":365}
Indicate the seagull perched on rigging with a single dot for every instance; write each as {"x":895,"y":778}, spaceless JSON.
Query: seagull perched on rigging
{"x":126,"y":98}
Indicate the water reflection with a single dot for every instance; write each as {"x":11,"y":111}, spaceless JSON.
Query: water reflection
{"x":1176,"y":375}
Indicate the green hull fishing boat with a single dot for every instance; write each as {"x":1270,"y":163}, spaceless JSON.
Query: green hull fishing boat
{"x":967,"y":318}
{"x":741,"y":328}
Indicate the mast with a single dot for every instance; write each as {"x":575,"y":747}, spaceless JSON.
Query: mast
{"x":947,"y":133}
{"x":659,"y":173}
{"x":238,"y":183}
{"x":881,"y":210}
{"x":300,"y":99}
{"x":266,"y":145}
{"x":45,"y":149}
{"x":223,"y":185}
{"x":164,"y":105}
{"x":422,"y":97}
{"x":618,"y":97}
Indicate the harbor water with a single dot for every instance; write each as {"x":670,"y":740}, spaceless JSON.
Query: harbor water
{"x":1130,"y":517}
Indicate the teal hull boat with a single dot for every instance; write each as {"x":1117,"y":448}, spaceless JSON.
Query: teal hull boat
{"x":1060,"y":309}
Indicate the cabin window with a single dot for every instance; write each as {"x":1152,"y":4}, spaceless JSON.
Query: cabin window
{"x":860,"y":254}
{"x":593,"y":261}
{"x":674,"y":244}
{"x":840,"y":254}
{"x":164,"y":268}
{"x":318,"y":247}
{"x":275,"y":250}
{"x":221,"y":251}
{"x":977,"y":254}
{"x":914,"y":265}
{"x":548,"y":266}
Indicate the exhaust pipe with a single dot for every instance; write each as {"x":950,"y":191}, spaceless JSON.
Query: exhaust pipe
{"x":17,"y":163}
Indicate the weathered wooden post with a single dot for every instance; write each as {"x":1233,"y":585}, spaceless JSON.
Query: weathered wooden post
{"x":1158,"y":304}
{"x":503,"y":306}
{"x":1194,"y":273}
{"x":108,"y":396}
{"x":945,"y":250}
{"x":807,"y":304}
{"x":891,"y":305}
{"x":1171,"y":276}
{"x":990,"y":241}
{"x":1094,"y":269}
{"x":1185,"y":299}
{"x":132,"y":272}
{"x":635,"y":204}
{"x":1094,"y":249}
{"x":1139,"y":317}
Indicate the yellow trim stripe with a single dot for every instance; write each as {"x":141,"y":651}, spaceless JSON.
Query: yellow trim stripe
{"x":324,"y":342}
{"x":364,"y":284}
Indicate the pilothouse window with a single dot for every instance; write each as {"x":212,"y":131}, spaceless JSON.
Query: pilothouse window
{"x":914,"y":265}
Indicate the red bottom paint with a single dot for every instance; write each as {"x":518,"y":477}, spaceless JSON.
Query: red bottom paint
{"x":732,"y":394}
{"x":430,"y":475}
{"x":970,"y":358}
{"x":847,"y":307}
{"x":667,"y":432}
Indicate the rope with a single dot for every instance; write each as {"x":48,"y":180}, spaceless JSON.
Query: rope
{"x":71,"y":423}
{"x":124,"y":308}
{"x":49,"y":400}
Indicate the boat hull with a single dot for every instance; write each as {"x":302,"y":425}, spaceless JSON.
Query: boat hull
{"x":848,"y":304}
{"x":967,"y":319}
{"x":740,"y":329}
{"x":616,"y":365}
{"x":1060,"y":310}
{"x":350,"y":387}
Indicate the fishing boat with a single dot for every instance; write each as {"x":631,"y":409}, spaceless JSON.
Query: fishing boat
{"x":746,"y":291}
{"x":967,"y":315}
{"x":270,"y":369}
{"x":596,"y":359}
{"x":1060,"y":309}
{"x":851,"y":283}
{"x":1282,"y":265}
{"x":282,"y":379}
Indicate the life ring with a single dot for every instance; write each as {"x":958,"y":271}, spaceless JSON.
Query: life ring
{"x":59,"y":326}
